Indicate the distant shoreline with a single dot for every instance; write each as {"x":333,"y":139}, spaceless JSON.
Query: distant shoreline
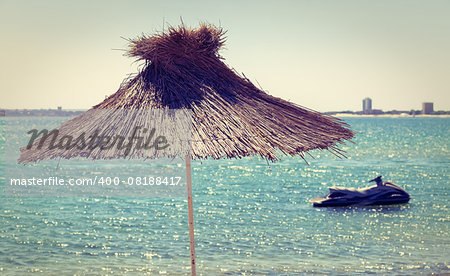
{"x":391,"y":115}
{"x":39,"y":112}
{"x":68,"y":112}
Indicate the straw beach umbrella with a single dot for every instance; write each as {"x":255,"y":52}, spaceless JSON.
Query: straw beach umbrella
{"x":231,"y":117}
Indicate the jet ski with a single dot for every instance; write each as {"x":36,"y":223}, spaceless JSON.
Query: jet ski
{"x":384,"y":193}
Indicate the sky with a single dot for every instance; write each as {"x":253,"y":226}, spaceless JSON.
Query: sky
{"x":324,"y":55}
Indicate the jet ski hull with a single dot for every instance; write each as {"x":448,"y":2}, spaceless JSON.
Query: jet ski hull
{"x":325,"y":202}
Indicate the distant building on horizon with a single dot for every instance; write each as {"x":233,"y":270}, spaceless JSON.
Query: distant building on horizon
{"x":427,"y":108}
{"x":367,"y":106}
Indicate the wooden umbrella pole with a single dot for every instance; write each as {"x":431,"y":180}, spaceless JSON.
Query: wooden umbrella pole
{"x":190,"y":213}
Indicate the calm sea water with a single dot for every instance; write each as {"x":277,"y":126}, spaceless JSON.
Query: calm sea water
{"x":251,"y":217}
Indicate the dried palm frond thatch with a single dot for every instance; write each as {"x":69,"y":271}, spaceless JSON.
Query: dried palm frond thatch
{"x":231,"y":117}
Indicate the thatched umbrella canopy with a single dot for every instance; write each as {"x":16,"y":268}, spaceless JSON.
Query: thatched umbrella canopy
{"x":231,"y":117}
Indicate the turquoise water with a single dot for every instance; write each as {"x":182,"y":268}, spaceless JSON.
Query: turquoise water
{"x":251,"y":218}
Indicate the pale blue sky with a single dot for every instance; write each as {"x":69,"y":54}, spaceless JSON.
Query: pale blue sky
{"x":325,"y":55}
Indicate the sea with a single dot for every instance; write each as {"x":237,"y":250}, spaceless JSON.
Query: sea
{"x":251,"y":217}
